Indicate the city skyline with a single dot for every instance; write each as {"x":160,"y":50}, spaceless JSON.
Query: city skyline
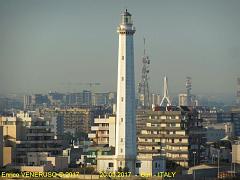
{"x":47,"y":43}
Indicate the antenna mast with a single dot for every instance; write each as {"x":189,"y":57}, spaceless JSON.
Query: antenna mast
{"x":143,"y":87}
{"x":189,"y":88}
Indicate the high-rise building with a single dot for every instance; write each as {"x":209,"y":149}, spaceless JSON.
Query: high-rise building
{"x":175,"y":133}
{"x":155,"y":99}
{"x":189,"y":88}
{"x":71,"y":119}
{"x":238,"y":91}
{"x":27,"y":101}
{"x":99,"y":99}
{"x":38,"y":143}
{"x":87,"y":98}
{"x":182,"y":100}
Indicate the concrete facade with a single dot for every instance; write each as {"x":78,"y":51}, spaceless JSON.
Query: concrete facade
{"x":1,"y":146}
{"x":236,"y":152}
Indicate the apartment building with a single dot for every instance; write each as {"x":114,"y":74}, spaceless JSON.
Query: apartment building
{"x":175,"y":132}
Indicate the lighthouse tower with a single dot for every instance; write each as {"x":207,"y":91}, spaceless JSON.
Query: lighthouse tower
{"x":126,"y":148}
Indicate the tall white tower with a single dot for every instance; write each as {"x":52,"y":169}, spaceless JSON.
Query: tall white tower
{"x":126,"y":149}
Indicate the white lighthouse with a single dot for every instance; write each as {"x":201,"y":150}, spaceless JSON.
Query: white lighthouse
{"x":125,"y":155}
{"x":125,"y":151}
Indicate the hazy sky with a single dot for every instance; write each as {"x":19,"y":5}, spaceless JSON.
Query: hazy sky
{"x":44,"y":44}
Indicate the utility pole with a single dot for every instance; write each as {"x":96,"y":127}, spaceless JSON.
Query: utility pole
{"x":218,"y":161}
{"x":194,"y":156}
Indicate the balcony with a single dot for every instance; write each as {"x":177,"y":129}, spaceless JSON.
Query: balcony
{"x":148,"y":151}
{"x":177,"y":144}
{"x":94,"y":128}
{"x":102,"y":142}
{"x":40,"y":134}
{"x":176,"y":151}
{"x":151,"y":135}
{"x":177,"y":158}
{"x":103,"y":135}
{"x":149,"y":143}
{"x":91,"y":136}
{"x":103,"y":128}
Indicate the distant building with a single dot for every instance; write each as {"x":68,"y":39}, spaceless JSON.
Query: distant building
{"x":39,"y":99}
{"x":27,"y":101}
{"x":213,"y":134}
{"x":87,"y":98}
{"x":155,"y":99}
{"x":235,"y":113}
{"x":100,"y":99}
{"x":217,"y":131}
{"x":73,"y":119}
{"x":182,"y":99}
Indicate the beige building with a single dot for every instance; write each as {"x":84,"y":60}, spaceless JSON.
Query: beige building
{"x":182,"y":99}
{"x":71,"y":119}
{"x":39,"y":141}
{"x":176,"y":134}
{"x":236,"y":152}
{"x":103,"y":131}
{"x":8,"y":135}
{"x":1,"y":146}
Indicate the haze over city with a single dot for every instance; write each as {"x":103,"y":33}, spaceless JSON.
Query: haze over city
{"x":45,"y":44}
{"x":120,"y":89}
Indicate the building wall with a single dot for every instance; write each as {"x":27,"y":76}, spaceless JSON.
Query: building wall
{"x":175,"y":134}
{"x":77,"y":119}
{"x":214,"y":135}
{"x":182,"y":99}
{"x":236,"y":153}
{"x":112,"y":131}
{"x":103,"y":163}
{"x":59,"y":162}
{"x":7,"y":155}
{"x":1,"y":146}
{"x":9,"y":126}
{"x":236,"y":121}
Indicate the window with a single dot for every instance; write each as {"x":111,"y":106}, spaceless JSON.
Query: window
{"x":110,"y":164}
{"x":122,"y":57}
{"x":121,"y":150}
{"x":122,"y":78}
{"x":121,"y":139}
{"x":122,"y":99}
{"x":121,"y":119}
{"x":138,"y":165}
{"x":156,"y":164}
